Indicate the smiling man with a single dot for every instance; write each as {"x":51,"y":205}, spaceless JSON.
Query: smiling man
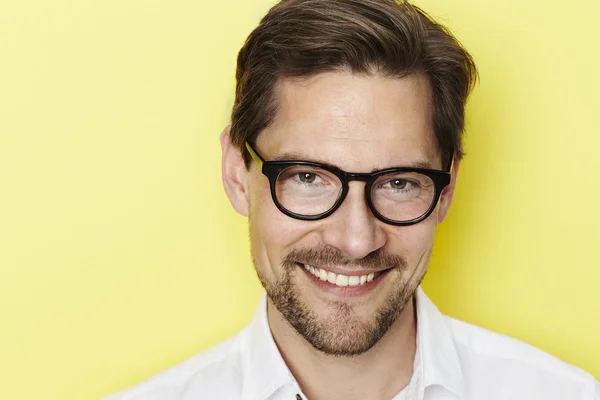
{"x":343,"y":151}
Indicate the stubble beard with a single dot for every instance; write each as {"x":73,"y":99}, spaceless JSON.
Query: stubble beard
{"x":341,"y":332}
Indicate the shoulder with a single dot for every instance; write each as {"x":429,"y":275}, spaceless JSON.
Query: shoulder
{"x":215,"y":371}
{"x":512,"y":368}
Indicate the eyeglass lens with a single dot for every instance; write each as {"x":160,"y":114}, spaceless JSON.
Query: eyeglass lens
{"x":398,"y":196}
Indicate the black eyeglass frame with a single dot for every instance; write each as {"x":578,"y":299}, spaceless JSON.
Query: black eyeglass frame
{"x":272,"y":169}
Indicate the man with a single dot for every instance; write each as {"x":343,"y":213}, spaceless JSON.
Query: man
{"x":343,"y":151}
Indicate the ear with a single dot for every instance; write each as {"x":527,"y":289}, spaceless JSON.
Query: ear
{"x":234,"y":173}
{"x":448,"y":193}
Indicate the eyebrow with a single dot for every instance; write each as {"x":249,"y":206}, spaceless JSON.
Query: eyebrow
{"x":292,"y":156}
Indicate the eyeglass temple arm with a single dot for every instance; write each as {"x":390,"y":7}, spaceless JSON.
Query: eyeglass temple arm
{"x":257,"y":158}
{"x":451,"y":163}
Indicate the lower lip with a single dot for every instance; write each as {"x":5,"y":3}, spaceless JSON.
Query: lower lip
{"x":345,"y":291}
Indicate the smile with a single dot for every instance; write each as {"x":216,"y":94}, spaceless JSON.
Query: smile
{"x":340,"y":279}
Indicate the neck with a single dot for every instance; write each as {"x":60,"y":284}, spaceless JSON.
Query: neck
{"x":381,"y":372}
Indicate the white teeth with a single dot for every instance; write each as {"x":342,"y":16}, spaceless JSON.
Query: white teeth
{"x":339,"y":279}
{"x":354,"y":280}
{"x":312,"y":270}
{"x":322,"y":274}
{"x":331,"y":277}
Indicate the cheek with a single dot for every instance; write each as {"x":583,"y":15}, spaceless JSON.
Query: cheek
{"x":414,"y":242}
{"x":271,"y":231}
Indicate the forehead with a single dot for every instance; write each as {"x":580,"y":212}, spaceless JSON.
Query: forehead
{"x":357,"y":122}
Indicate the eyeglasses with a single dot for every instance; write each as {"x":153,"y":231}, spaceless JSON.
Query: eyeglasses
{"x":311,"y":191}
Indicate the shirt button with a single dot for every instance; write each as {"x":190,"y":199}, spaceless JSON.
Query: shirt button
{"x":298,"y":397}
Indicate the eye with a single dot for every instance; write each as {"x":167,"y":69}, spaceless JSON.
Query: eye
{"x":399,"y":184}
{"x":306,"y":177}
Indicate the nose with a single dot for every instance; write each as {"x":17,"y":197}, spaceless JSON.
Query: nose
{"x":353,"y":228}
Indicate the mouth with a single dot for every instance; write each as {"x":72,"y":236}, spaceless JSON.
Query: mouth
{"x":343,"y":280}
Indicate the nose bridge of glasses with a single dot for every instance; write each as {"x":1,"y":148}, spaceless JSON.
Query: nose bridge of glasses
{"x":362,"y":191}
{"x":361,"y":177}
{"x":356,"y":199}
{"x":358,"y":176}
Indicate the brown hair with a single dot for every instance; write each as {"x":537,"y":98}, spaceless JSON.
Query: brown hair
{"x":301,"y":38}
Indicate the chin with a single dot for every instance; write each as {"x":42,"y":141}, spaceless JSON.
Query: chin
{"x":338,"y":328}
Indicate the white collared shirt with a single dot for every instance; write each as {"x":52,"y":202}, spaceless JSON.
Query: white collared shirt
{"x":454,"y":361}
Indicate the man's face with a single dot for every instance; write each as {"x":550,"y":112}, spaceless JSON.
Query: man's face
{"x":359,"y":124}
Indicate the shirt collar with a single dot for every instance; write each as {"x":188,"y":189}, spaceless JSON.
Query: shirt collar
{"x":265,"y":371}
{"x":439,"y":364}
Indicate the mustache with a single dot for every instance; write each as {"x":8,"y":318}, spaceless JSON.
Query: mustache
{"x":328,"y":255}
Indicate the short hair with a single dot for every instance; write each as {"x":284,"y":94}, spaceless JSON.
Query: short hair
{"x":302,"y":38}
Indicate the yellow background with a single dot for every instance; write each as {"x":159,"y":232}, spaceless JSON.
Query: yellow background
{"x":120,"y":255}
